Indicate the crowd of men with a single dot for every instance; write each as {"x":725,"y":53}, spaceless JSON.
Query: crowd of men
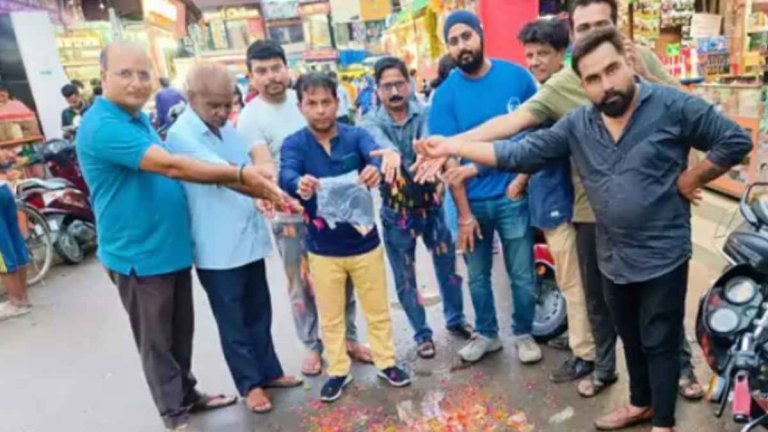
{"x":572,"y":146}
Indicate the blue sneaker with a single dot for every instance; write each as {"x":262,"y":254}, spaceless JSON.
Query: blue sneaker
{"x":395,"y":376}
{"x":333,"y":388}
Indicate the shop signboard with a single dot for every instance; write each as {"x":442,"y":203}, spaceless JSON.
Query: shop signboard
{"x":280,"y":10}
{"x":375,"y":10}
{"x":321,"y":54}
{"x":322,"y":8}
{"x":240,"y":13}
{"x":162,"y":13}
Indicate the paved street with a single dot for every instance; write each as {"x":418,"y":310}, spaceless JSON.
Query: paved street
{"x":71,"y":366}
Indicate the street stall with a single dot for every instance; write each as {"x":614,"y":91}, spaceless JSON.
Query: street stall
{"x":79,"y":49}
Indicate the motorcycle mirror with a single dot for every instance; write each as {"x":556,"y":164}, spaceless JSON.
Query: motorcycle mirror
{"x":754,"y":208}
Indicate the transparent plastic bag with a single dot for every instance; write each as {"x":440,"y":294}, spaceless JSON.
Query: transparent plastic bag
{"x":342,"y":199}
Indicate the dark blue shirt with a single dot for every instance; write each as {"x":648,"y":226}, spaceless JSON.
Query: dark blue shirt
{"x":462,"y":103}
{"x":301,"y":154}
{"x":165,"y":99}
{"x":643,"y":222}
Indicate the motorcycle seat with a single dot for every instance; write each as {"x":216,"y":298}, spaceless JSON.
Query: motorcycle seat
{"x":49,"y":184}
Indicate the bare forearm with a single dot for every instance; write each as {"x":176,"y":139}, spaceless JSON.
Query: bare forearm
{"x":501,"y":127}
{"x":462,"y":202}
{"x":706,"y":171}
{"x":262,"y":158}
{"x":191,"y":170}
{"x":478,"y":152}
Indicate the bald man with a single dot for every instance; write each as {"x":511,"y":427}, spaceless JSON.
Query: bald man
{"x":230,"y":242}
{"x":144,"y":228}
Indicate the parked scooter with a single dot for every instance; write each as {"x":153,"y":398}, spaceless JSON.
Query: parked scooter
{"x":64,"y":201}
{"x":550,"y":318}
{"x":732,"y":321}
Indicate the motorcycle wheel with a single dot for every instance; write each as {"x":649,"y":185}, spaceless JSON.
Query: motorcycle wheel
{"x":70,"y":251}
{"x":550,"y":318}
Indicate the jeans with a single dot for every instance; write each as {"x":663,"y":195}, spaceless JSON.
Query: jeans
{"x":400,"y":235}
{"x":510,"y":219}
{"x":599,"y":315}
{"x":242,"y":307}
{"x":289,"y":238}
{"x":163,"y":321}
{"x":649,"y":318}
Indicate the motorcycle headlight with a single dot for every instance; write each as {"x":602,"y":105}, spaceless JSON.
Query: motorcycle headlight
{"x":724,"y":321}
{"x":740,"y":290}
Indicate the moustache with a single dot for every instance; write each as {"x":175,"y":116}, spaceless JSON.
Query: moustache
{"x":466,"y":52}
{"x":396,"y":98}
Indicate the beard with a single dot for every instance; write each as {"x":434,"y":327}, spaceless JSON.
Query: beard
{"x":470,"y":61}
{"x":322,"y":127}
{"x":615,"y":103}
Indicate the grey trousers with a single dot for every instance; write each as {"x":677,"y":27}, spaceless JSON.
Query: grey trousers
{"x":290,"y":239}
{"x":162,"y":320}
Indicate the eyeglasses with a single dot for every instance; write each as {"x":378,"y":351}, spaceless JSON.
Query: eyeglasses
{"x":399,"y":85}
{"x":130,"y":74}
{"x":465,"y":36}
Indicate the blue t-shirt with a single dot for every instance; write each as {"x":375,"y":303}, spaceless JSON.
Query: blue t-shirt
{"x":462,"y":103}
{"x":141,"y":217}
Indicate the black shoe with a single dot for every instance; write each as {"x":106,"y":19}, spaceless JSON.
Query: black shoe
{"x":559,"y":343}
{"x":573,"y":369}
{"x":464,"y":331}
{"x":334,"y":387}
{"x":395,"y":376}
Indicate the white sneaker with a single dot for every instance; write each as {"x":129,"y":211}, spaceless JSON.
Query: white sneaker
{"x":478,"y":347}
{"x":9,"y":310}
{"x":528,"y":350}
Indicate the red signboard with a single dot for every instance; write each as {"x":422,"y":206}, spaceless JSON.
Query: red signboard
{"x":321,"y":54}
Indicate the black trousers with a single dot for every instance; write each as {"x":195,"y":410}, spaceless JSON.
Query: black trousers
{"x":242,"y":307}
{"x":162,"y":320}
{"x":603,"y":329}
{"x":649,"y":319}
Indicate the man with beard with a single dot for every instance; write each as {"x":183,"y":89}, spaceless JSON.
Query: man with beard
{"x":410,"y":210}
{"x":266,"y":121}
{"x":231,"y":242}
{"x":635,"y":136}
{"x":480,"y":90}
{"x":326,"y":148}
{"x":560,"y":95}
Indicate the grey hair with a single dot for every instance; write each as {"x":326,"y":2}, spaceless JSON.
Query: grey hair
{"x":205,"y":78}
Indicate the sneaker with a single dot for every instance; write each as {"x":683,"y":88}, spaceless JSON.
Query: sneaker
{"x":395,"y":376}
{"x":9,"y":310}
{"x":478,"y":347}
{"x":464,"y":331}
{"x":574,"y":368}
{"x":333,"y":388}
{"x":528,"y":350}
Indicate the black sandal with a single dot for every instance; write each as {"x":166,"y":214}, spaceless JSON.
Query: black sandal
{"x":426,"y":350}
{"x":211,"y":402}
{"x":597,"y":385}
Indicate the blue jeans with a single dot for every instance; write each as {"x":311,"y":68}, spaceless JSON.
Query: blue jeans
{"x":400,"y":234}
{"x":510,"y":219}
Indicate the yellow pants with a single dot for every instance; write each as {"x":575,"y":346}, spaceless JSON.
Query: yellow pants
{"x":369,"y":277}
{"x":562,"y":245}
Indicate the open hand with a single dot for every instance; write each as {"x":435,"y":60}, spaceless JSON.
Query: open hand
{"x":370,"y":176}
{"x":458,"y":175}
{"x":468,"y":229}
{"x":261,"y":186}
{"x":689,"y":187}
{"x":391,"y":161}
{"x":437,"y":146}
{"x":427,"y":170}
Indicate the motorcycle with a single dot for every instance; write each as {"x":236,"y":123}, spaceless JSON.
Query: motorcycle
{"x":64,"y":201}
{"x":550,"y":318}
{"x":732,"y":320}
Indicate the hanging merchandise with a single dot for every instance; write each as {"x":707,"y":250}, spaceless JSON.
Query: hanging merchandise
{"x":646,"y":21}
{"x":677,"y":14}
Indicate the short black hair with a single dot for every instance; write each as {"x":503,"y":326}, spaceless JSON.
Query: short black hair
{"x":444,"y":68}
{"x":387,"y":63}
{"x":584,"y":3}
{"x":264,"y":50}
{"x":69,"y":90}
{"x":552,"y":32}
{"x":164,"y":82}
{"x":592,"y":41}
{"x":315,"y":80}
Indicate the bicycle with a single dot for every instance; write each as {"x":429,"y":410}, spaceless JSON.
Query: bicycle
{"x":37,"y":236}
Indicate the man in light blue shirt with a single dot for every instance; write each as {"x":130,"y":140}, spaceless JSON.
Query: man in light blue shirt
{"x":229,"y":238}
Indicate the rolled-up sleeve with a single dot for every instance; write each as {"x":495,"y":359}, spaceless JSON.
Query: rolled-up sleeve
{"x":536,"y":150}
{"x":291,"y":165}
{"x":725,"y":141}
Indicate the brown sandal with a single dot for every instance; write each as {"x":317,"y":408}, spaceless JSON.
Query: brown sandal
{"x":262,"y":408}
{"x":359,"y":352}
{"x":285,"y":381}
{"x":426,"y":350}
{"x":592,"y":386}
{"x":312,"y":364}
{"x":690,"y":389}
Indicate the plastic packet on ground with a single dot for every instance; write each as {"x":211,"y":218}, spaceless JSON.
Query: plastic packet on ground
{"x":342,"y":199}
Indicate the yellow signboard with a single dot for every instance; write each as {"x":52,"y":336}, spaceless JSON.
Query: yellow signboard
{"x":375,"y":10}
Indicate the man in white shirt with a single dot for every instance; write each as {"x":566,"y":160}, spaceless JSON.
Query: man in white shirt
{"x":266,"y":121}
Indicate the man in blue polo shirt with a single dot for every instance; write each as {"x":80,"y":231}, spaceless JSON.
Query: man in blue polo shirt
{"x":328,"y":149}
{"x":482,"y":89}
{"x":143,"y":226}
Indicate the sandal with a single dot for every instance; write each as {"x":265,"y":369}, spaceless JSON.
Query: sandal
{"x":689,"y":387}
{"x":426,"y":349}
{"x":211,"y":402}
{"x":285,"y":381}
{"x":312,"y":365}
{"x":262,"y":408}
{"x":359,"y":352}
{"x":592,"y":385}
